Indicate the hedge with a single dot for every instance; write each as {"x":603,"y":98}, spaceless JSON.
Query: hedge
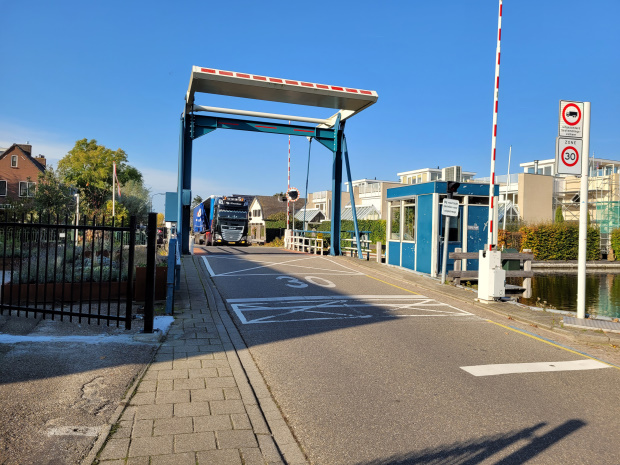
{"x":559,"y":241}
{"x":615,"y":242}
{"x":376,"y":228}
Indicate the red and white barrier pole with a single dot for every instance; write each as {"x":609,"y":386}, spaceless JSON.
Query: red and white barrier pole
{"x":494,"y":139}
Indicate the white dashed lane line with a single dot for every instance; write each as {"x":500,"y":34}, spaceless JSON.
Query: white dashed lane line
{"x":538,"y":367}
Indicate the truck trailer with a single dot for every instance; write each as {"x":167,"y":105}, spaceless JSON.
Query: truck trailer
{"x":221,"y":220}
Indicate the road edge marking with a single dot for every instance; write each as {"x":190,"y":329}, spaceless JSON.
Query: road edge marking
{"x":538,"y":338}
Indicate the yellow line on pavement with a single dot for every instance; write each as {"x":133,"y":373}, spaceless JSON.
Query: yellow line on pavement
{"x":553,"y":344}
{"x":393,"y":285}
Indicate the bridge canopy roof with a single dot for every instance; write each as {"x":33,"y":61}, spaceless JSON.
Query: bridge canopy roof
{"x":253,"y":86}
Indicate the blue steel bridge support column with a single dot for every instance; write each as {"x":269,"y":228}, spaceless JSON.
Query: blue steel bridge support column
{"x":336,"y":187}
{"x":184,"y":183}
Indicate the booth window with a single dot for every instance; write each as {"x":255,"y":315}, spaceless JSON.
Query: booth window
{"x":409,"y":223}
{"x":395,"y":222}
{"x":454,"y":228}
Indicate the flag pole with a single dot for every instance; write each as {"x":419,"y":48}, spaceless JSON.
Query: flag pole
{"x":113,"y":195}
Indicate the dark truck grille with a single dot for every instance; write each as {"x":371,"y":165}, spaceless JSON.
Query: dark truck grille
{"x":232,"y":233}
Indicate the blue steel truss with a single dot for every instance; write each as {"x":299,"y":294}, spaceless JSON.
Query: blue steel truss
{"x":194,"y":126}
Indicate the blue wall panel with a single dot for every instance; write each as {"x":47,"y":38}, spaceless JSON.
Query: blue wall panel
{"x":394,"y":253}
{"x":478,"y":216}
{"x":424,"y":213}
{"x":408,"y":255}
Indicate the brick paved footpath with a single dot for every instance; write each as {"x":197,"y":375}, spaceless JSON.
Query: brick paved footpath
{"x":194,"y":404}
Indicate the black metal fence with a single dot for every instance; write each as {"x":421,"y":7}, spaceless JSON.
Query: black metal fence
{"x":77,"y":272}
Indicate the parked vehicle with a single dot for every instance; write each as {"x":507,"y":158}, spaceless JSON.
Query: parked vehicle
{"x":221,"y":220}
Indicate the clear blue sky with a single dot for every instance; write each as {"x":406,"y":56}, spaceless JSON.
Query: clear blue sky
{"x":117,"y":72}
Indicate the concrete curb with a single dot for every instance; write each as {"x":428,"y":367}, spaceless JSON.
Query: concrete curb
{"x":270,"y":425}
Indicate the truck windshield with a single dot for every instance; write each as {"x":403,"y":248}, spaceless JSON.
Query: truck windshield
{"x":233,"y":214}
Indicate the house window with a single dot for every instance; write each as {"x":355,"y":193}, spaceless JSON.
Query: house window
{"x":26,"y":188}
{"x":3,"y":188}
{"x":409,"y":221}
{"x":13,"y":161}
{"x":395,"y":222}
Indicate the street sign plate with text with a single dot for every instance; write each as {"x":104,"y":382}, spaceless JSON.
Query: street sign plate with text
{"x":450,"y":207}
{"x":568,"y":156}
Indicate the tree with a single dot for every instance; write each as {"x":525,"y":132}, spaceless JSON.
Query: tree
{"x":559,"y":218}
{"x":120,"y":213}
{"x":197,"y":201}
{"x":135,"y":198}
{"x":88,"y":167}
{"x":279,"y":216}
{"x":52,"y":196}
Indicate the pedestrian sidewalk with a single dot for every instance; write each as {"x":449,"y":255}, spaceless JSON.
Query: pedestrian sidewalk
{"x":194,"y":404}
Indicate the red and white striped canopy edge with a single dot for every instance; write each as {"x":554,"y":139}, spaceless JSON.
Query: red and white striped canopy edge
{"x":289,"y":82}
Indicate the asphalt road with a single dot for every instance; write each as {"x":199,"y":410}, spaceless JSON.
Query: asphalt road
{"x":57,"y":394}
{"x":371,"y":372}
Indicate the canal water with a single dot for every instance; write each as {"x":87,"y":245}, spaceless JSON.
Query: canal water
{"x":558,"y":290}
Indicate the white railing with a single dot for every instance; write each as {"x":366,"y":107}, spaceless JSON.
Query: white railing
{"x":301,"y":243}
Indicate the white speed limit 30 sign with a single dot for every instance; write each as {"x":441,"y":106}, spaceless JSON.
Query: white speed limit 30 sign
{"x":568,"y":156}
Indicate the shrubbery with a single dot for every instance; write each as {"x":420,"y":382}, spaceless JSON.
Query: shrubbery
{"x":615,"y":242}
{"x":376,"y":228}
{"x":559,"y":241}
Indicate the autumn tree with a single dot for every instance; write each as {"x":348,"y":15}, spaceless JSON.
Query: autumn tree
{"x":88,"y":167}
{"x":135,"y":198}
{"x":53,"y":197}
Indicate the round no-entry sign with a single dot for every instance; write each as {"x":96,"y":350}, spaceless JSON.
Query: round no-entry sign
{"x":571,"y":114}
{"x":570,"y":156}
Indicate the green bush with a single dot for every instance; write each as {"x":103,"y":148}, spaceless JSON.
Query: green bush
{"x":559,"y":241}
{"x":615,"y":242}
{"x":376,"y":228}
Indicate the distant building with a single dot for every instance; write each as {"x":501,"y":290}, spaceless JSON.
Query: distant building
{"x":19,"y":172}
{"x":322,"y":201}
{"x":263,"y":207}
{"x":451,"y":173}
{"x":371,"y":192}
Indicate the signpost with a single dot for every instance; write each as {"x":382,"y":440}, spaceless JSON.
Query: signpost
{"x":292,"y":195}
{"x":449,"y":209}
{"x":571,"y":157}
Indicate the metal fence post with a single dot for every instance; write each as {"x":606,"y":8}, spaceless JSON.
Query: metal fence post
{"x":130,"y":265}
{"x":172,"y":247}
{"x":149,"y":298}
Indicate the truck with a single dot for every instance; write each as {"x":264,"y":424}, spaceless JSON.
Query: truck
{"x":221,"y":220}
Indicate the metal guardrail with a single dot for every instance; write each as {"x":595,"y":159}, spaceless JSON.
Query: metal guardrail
{"x":311,"y":244}
{"x":317,"y":242}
